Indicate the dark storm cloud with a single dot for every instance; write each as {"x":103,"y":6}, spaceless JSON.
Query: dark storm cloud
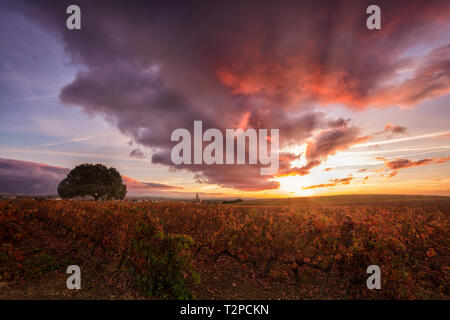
{"x":29,"y":178}
{"x":152,"y":67}
{"x":137,"y":154}
{"x":24,"y":177}
{"x":328,"y":142}
{"x":431,"y":79}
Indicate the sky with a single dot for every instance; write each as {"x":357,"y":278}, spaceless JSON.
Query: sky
{"x":358,"y":110}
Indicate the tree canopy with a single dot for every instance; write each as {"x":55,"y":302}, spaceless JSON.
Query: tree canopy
{"x":94,"y":180}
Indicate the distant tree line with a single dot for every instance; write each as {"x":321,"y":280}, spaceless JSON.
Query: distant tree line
{"x":231,"y":201}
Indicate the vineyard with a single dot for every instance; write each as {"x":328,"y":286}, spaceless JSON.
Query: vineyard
{"x":174,"y":250}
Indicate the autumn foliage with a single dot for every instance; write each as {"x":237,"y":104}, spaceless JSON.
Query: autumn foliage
{"x":160,"y":244}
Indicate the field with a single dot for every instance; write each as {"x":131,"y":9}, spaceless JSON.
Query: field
{"x":303,"y":248}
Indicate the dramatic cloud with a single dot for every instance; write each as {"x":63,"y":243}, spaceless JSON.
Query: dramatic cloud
{"x":328,"y":142}
{"x":339,"y":61}
{"x":431,"y":79}
{"x":163,"y":65}
{"x":23,"y":177}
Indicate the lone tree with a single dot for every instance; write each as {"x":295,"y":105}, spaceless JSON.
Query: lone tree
{"x":94,"y":180}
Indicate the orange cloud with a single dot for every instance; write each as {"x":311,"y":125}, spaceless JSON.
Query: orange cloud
{"x":394,"y":128}
{"x":398,"y":164}
{"x":332,"y":183}
{"x":406,"y":163}
{"x":294,"y":78}
{"x":327,"y":143}
{"x":135,"y":185}
{"x":393,"y":173}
